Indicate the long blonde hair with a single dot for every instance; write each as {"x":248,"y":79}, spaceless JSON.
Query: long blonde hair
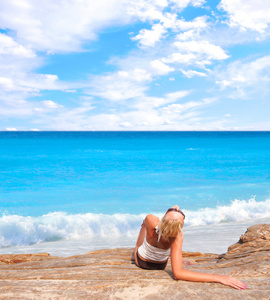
{"x":170,"y":228}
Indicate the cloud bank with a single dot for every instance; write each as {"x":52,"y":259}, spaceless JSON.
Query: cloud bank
{"x":169,"y":71}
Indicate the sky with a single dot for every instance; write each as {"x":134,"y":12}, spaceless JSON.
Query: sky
{"x":134,"y":65}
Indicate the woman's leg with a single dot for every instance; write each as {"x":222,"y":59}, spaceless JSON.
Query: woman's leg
{"x":140,"y":240}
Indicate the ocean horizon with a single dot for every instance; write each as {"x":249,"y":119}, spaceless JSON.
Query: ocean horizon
{"x":70,"y":192}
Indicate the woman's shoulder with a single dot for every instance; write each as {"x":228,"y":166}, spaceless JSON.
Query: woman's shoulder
{"x":178,"y":241}
{"x":152,"y":220}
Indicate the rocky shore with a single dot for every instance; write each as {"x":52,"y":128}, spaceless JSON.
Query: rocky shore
{"x":111,"y":274}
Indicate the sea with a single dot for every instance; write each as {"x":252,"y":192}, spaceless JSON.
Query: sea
{"x":69,"y":193}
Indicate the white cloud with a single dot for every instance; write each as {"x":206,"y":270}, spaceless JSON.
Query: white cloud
{"x":135,"y":73}
{"x":39,"y":28}
{"x":193,"y":26}
{"x":51,"y":104}
{"x":11,"y":129}
{"x":177,"y":95}
{"x":187,"y":35}
{"x":140,"y":75}
{"x":140,"y":114}
{"x":246,"y":78}
{"x":64,"y":26}
{"x":43,"y":82}
{"x":146,"y":10}
{"x":17,"y":64}
{"x":148,"y":38}
{"x":194,"y":53}
{"x":122,"y":99}
{"x":16,"y":61}
{"x":181,"y":4}
{"x":180,"y":108}
{"x":125,"y":124}
{"x":160,"y":68}
{"x":119,"y":86}
{"x":71,"y":91}
{"x":60,"y":26}
{"x":15,"y":106}
{"x":147,"y":103}
{"x":248,"y":14}
{"x":198,"y":3}
{"x":6,"y":83}
{"x":191,"y":73}
{"x":202,"y":47}
{"x":31,"y":83}
{"x":11,"y":47}
{"x":180,"y":58}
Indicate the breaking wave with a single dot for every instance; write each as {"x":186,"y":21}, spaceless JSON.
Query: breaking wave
{"x":18,"y":230}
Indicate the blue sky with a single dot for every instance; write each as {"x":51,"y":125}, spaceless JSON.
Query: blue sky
{"x":134,"y":65}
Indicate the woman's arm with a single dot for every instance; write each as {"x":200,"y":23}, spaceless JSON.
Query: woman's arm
{"x":147,"y":223}
{"x":182,"y":274}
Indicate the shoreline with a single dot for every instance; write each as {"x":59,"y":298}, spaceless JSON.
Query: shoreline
{"x":215,"y":238}
{"x":110,"y":274}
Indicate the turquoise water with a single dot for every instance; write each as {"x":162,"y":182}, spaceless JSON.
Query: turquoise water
{"x":59,"y":186}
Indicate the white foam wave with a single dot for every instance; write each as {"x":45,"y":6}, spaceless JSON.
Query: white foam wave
{"x":237,"y":211}
{"x":18,"y":230}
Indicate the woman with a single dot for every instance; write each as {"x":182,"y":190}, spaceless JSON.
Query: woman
{"x":159,"y":239}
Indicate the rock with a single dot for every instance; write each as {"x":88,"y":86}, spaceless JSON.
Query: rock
{"x":250,"y":256}
{"x":256,"y":239}
{"x":9,"y":259}
{"x":110,"y":274}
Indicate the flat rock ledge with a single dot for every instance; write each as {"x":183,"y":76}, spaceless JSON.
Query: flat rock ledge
{"x":111,"y":274}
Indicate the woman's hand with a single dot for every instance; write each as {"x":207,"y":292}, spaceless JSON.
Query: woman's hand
{"x":231,"y":281}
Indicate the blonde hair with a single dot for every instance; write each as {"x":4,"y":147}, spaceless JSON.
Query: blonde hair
{"x":170,"y":228}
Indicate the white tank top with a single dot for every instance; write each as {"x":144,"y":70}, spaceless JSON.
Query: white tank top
{"x":150,"y":252}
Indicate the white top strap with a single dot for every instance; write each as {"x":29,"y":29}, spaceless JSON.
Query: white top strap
{"x":158,"y":232}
